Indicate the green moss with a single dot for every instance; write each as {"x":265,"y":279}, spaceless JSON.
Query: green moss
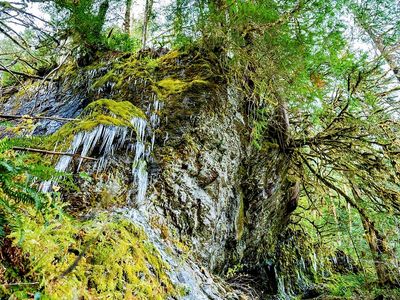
{"x":29,"y":87}
{"x":112,"y":258}
{"x":122,"y":110}
{"x":5,"y":4}
{"x":100,"y":112}
{"x":103,"y":111}
{"x":109,"y":77}
{"x":152,"y":64}
{"x":346,"y":286}
{"x":170,"y":86}
{"x":172,"y":55}
{"x":269,"y":146}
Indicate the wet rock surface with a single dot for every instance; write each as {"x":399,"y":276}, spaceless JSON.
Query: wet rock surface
{"x":212,"y":202}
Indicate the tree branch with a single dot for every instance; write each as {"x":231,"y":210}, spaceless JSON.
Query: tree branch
{"x":51,"y":152}
{"x":12,"y":117}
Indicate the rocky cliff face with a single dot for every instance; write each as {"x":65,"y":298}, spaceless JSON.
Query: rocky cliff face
{"x":207,"y":200}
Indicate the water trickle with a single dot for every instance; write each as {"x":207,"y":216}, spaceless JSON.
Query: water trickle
{"x":302,"y":264}
{"x":142,"y":153}
{"x":139,"y":152}
{"x":153,"y":138}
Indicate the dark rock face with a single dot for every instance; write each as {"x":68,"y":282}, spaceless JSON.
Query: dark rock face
{"x":55,"y":99}
{"x":209,"y":187}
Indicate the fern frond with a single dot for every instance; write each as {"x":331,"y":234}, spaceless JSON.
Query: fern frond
{"x":6,"y":167}
{"x":6,"y":144}
{"x":21,"y":193}
{"x":9,"y":216}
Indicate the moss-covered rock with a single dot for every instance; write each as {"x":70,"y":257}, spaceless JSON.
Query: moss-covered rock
{"x":106,"y":257}
{"x":170,"y":86}
{"x":104,"y":112}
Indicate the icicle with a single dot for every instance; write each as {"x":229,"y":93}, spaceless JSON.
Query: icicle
{"x":139,"y":152}
{"x":281,"y":287}
{"x":154,"y":120}
{"x":166,"y":138}
{"x":140,"y":126}
{"x":314,"y":261}
{"x":88,"y":141}
{"x":64,"y":161}
{"x":113,"y":138}
{"x":141,"y":177}
{"x":153,"y":138}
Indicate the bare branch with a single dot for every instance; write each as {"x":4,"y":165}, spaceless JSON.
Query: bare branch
{"x":12,"y":117}
{"x":52,"y":152}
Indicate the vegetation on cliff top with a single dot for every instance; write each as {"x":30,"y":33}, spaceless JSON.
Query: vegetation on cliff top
{"x":311,"y":90}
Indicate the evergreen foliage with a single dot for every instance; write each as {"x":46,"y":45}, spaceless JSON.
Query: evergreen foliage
{"x":328,"y":101}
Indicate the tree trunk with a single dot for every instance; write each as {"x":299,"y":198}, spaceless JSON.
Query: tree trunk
{"x":147,"y":15}
{"x":382,"y":254}
{"x":101,"y":16}
{"x":378,"y":43}
{"x":377,"y":245}
{"x":127,"y":18}
{"x":178,"y":20}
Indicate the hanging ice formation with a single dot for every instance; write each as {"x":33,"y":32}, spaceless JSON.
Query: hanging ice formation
{"x":107,"y":139}
{"x":139,"y":169}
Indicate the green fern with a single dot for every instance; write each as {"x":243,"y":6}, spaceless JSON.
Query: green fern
{"x":18,"y":185}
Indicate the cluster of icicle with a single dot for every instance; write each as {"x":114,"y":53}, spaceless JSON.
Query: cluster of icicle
{"x":139,"y":169}
{"x":285,"y":290}
{"x":107,"y":139}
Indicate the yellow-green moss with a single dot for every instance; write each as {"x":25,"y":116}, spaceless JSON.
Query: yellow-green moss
{"x":109,"y":77}
{"x":100,"y":112}
{"x":122,"y":72}
{"x":170,"y":56}
{"x":152,"y":64}
{"x":170,"y":86}
{"x":123,"y":110}
{"x":117,"y":259}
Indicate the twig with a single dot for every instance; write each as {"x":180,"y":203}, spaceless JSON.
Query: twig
{"x":78,"y":258}
{"x":22,"y":74}
{"x":13,"y":75}
{"x":20,"y":283}
{"x":37,"y":117}
{"x":51,"y":152}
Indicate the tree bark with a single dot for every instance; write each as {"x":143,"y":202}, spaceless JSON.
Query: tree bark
{"x":127,"y":18}
{"x":378,"y":43}
{"x":147,"y":15}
